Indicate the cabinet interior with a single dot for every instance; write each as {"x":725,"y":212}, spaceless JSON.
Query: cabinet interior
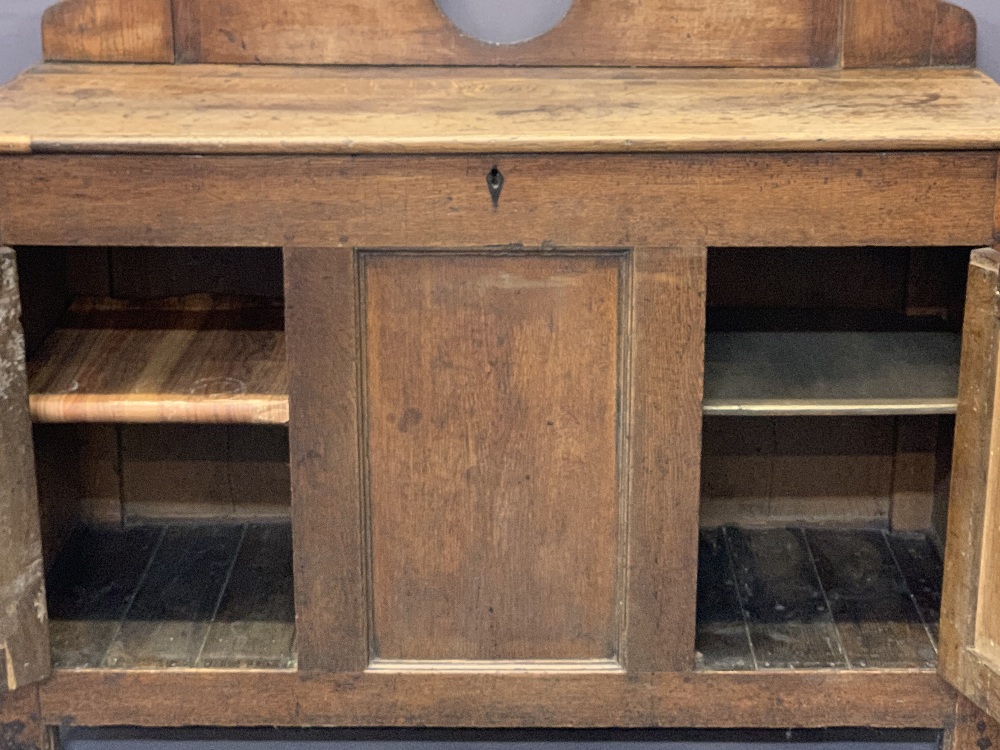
{"x":159,"y":391}
{"x":829,"y":413}
{"x":158,"y":388}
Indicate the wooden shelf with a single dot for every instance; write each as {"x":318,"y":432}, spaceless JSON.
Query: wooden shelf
{"x":192,"y":359}
{"x":848,"y":373}
{"x":201,"y":359}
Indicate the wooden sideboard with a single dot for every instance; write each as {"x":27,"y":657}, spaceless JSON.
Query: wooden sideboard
{"x":357,"y":373}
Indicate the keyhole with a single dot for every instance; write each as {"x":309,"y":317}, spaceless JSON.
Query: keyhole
{"x":494,"y":181}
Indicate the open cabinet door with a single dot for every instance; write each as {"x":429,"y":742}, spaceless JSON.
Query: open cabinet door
{"x":24,"y":641}
{"x":969,"y":656}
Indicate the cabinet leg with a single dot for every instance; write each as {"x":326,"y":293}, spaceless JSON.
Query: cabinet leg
{"x":20,"y":723}
{"x":972,"y":729}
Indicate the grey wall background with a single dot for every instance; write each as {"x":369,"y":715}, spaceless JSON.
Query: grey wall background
{"x":20,"y":45}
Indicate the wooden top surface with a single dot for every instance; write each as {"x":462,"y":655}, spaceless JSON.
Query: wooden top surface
{"x":195,"y":109}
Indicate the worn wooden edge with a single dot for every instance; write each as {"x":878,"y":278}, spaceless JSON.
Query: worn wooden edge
{"x":24,"y":645}
{"x":320,"y":145}
{"x":971,"y":467}
{"x":159,"y":409}
{"x":781,"y":699}
{"x":137,"y":31}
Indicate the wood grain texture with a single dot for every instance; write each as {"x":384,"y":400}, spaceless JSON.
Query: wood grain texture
{"x":970,"y":728}
{"x":255,"y":110}
{"x":788,"y":617}
{"x":822,"y":471}
{"x":722,"y":638}
{"x":972,"y":483}
{"x":888,"y":33}
{"x":778,"y":699}
{"x":954,"y":40}
{"x":415,"y":32}
{"x":492,"y":430}
{"x":322,"y":300}
{"x":91,"y":586}
{"x":24,"y":640}
{"x":169,"y":618}
{"x":877,"y":619}
{"x":203,"y":472}
{"x":907,"y":33}
{"x":254,"y":625}
{"x":189,"y":359}
{"x":20,"y":724}
{"x":667,"y":325}
{"x":811,"y":200}
{"x":132,"y":31}
{"x":914,"y":473}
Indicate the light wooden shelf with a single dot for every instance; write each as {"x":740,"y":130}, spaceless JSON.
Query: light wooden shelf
{"x":775,"y":374}
{"x":195,"y":359}
{"x":221,"y":360}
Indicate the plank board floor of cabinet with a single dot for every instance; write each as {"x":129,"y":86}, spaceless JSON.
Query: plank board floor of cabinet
{"x":790,"y":598}
{"x":182,"y":595}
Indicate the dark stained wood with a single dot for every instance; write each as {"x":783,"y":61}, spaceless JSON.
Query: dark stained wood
{"x":970,"y":728}
{"x":722,"y":641}
{"x":254,"y":627}
{"x":492,"y":428}
{"x":201,"y":472}
{"x":21,"y":727}
{"x":810,"y":200}
{"x":242,"y":698}
{"x":169,"y":618}
{"x":24,"y":643}
{"x":786,"y":471}
{"x":321,"y":295}
{"x":138,"y":31}
{"x":954,"y":40}
{"x":156,"y":272}
{"x":876,"y":617}
{"x":923,"y":571}
{"x":888,"y":33}
{"x":787,"y":613}
{"x":415,"y":32}
{"x":973,"y":486}
{"x":914,"y":471}
{"x":667,"y":324}
{"x":90,"y":588}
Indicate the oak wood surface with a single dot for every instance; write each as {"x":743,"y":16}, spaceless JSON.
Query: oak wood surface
{"x":972,"y":488}
{"x":809,"y":200}
{"x":138,"y":31}
{"x":666,"y":324}
{"x":780,"y":699}
{"x":245,"y":110}
{"x":415,"y":32}
{"x":492,"y":432}
{"x":24,"y":638}
{"x":189,"y":359}
{"x":328,"y":525}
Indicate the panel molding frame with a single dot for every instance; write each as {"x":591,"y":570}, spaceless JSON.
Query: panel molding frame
{"x":541,"y":666}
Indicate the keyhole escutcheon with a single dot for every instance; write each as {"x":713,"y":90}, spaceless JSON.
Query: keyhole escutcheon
{"x":494,"y":181}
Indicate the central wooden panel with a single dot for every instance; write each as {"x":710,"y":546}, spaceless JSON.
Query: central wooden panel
{"x":493,"y":402}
